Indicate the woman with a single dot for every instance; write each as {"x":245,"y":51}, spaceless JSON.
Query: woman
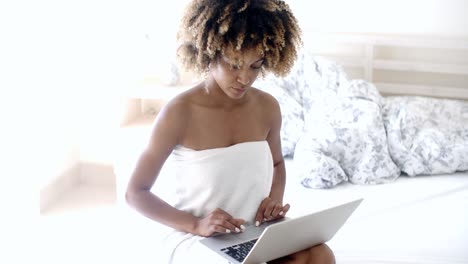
{"x":223,"y":133}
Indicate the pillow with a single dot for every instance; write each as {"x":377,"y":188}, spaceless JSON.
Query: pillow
{"x":288,"y":92}
{"x":427,"y":135}
{"x":308,"y":75}
{"x":344,"y":137}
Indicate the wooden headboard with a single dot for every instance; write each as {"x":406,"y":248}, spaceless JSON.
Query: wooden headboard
{"x":399,"y":65}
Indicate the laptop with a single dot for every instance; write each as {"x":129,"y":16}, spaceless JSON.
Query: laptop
{"x":272,"y":240}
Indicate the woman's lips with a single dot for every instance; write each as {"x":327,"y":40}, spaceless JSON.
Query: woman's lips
{"x":240,"y":90}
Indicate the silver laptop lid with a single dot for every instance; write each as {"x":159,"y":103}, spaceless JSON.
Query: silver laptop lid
{"x":286,"y":237}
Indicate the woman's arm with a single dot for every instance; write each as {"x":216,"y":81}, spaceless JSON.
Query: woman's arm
{"x":168,"y":130}
{"x":166,"y":133}
{"x":272,"y":206}
{"x":274,"y":141}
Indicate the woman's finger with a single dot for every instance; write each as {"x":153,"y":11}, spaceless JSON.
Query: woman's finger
{"x":285,"y":209}
{"x":267,"y":214}
{"x":276,"y":211}
{"x":220,"y":229}
{"x":239,"y":223}
{"x":260,"y":212}
{"x":229,"y":223}
{"x":228,"y":227}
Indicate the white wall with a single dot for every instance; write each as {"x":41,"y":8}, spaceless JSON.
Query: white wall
{"x":157,"y":26}
{"x":58,"y":149}
{"x":422,"y":17}
{"x":67,"y":61}
{"x":63,"y":67}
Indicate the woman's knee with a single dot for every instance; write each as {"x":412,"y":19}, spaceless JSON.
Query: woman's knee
{"x":321,"y":254}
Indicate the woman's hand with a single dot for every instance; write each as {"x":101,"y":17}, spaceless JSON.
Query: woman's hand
{"x":218,"y":221}
{"x":269,"y":210}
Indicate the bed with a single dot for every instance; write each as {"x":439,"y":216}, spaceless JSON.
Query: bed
{"x":412,"y":220}
{"x":394,"y":133}
{"x":407,"y":97}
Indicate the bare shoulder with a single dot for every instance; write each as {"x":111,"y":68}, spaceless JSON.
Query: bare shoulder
{"x":267,"y":102}
{"x":174,"y":111}
{"x":178,"y":105}
{"x":172,"y":119}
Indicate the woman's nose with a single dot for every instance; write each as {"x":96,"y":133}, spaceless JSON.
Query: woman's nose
{"x":243,"y":78}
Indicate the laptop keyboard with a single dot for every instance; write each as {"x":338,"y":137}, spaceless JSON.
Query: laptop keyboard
{"x":240,"y":251}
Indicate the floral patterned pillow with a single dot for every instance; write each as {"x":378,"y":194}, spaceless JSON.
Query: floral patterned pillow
{"x":297,"y":92}
{"x":427,"y":135}
{"x":288,"y":91}
{"x":344,"y":138}
{"x":331,"y":126}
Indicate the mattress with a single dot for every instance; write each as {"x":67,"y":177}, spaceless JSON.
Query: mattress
{"x":420,"y":219}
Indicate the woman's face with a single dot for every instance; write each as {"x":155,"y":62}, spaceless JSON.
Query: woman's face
{"x":235,"y":72}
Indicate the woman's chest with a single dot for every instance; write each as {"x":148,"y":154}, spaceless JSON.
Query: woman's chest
{"x":208,"y":129}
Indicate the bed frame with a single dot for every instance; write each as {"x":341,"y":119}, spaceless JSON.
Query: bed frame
{"x":399,"y":65}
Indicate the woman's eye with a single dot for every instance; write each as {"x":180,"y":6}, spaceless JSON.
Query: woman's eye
{"x":258,"y":66}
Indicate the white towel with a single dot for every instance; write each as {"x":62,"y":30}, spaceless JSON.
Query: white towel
{"x":235,"y":178}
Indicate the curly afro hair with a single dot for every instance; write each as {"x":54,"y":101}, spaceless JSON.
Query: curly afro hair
{"x":211,"y":28}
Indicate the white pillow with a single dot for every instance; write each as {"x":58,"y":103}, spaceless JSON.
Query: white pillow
{"x":427,"y":135}
{"x":288,"y":92}
{"x":344,"y":138}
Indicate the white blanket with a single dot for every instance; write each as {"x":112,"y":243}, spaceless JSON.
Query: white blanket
{"x":235,"y":179}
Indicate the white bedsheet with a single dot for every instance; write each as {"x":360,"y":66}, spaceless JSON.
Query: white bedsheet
{"x":413,"y":220}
